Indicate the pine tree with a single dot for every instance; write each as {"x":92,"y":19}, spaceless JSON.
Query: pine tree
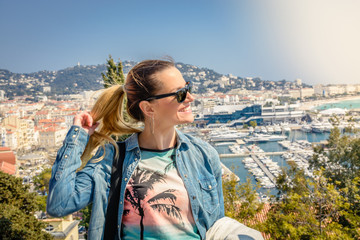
{"x":340,"y":162}
{"x":114,"y":74}
{"x":308,"y":208}
{"x":17,"y":207}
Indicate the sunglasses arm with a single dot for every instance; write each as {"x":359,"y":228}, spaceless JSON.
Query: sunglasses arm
{"x":160,"y":96}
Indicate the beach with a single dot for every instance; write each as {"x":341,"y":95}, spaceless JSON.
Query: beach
{"x":313,"y":104}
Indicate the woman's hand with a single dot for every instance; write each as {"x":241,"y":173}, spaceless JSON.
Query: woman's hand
{"x":85,"y":120}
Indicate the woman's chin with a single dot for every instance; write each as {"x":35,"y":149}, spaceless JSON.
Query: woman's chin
{"x":189,"y":119}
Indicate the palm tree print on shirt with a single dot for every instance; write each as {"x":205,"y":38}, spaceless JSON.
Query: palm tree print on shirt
{"x":142,"y":181}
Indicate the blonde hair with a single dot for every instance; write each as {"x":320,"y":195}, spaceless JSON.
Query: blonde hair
{"x":109,"y":111}
{"x":109,"y":108}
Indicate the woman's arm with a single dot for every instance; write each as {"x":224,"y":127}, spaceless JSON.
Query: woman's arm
{"x":70,"y":191}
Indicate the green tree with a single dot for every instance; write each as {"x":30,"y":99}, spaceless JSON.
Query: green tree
{"x":241,"y":201}
{"x":340,"y":161}
{"x":85,"y":220}
{"x":114,"y":74}
{"x":41,"y":183}
{"x":307,"y":208}
{"x":17,"y":207}
{"x":42,"y":180}
{"x":253,"y":124}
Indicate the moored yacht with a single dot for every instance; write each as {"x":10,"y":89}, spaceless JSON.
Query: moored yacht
{"x":277,"y":129}
{"x":305,"y":128}
{"x":265,"y":138}
{"x":317,"y":127}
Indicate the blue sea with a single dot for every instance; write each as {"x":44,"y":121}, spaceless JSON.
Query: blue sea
{"x":349,"y":104}
{"x":236,"y":165}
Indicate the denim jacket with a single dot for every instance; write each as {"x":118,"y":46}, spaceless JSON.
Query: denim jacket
{"x":197,"y":162}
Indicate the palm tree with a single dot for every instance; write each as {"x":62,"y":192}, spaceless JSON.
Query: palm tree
{"x":143,"y":181}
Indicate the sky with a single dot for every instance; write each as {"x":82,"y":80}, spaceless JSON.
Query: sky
{"x":317,"y":41}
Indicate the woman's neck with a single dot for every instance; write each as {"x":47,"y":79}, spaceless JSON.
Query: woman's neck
{"x":159,"y":140}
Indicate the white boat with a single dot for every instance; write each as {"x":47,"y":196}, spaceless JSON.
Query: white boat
{"x":251,"y":165}
{"x":317,"y":127}
{"x":327,"y":126}
{"x":270,"y":129}
{"x":254,"y":148}
{"x":223,"y":143}
{"x":277,"y":129}
{"x":251,"y":130}
{"x":306,"y":128}
{"x":259,"y":174}
{"x":265,"y":138}
{"x":237,"y":149}
{"x":286,"y":129}
{"x":248,"y":160}
{"x":269,"y":185}
{"x":225,"y":137}
{"x":263,"y":129}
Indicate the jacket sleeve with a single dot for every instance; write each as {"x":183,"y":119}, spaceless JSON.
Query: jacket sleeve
{"x":70,"y":191}
{"x":217,"y":168}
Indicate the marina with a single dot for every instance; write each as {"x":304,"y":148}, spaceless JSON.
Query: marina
{"x":264,"y":169}
{"x":293,"y":149}
{"x":230,"y":155}
{"x":259,"y":151}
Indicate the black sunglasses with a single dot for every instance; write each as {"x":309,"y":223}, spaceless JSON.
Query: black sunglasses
{"x":180,"y":94}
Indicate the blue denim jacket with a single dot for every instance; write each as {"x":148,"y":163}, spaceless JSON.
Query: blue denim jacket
{"x":198,"y":164}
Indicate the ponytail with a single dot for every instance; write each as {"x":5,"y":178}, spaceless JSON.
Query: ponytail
{"x":109,"y":111}
{"x":141,"y":83}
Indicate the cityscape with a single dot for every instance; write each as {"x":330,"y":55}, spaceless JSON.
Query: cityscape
{"x":257,"y":126}
{"x":274,"y":140}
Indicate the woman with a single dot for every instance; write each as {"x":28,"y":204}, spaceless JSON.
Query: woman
{"x":171,"y":182}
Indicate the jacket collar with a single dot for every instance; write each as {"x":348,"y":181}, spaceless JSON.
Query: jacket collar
{"x":132,"y":141}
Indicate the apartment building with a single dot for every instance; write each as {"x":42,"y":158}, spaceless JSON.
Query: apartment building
{"x":41,"y":115}
{"x":301,"y":93}
{"x":329,"y":90}
{"x":24,"y":130}
{"x":62,"y":228}
{"x":52,"y":136}
{"x":11,"y":140}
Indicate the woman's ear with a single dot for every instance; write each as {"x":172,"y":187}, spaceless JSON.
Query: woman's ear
{"x":147,"y":108}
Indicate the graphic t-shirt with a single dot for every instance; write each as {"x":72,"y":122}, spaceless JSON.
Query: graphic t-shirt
{"x":156,"y":204}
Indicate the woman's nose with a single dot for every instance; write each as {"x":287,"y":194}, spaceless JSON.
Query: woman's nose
{"x":189,"y":97}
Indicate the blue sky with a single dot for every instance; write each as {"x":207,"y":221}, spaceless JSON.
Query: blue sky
{"x":314,"y":40}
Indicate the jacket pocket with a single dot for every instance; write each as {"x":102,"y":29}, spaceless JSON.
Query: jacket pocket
{"x":209,"y":194}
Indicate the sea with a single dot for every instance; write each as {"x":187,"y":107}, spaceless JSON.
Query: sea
{"x":349,"y":104}
{"x":236,"y":165}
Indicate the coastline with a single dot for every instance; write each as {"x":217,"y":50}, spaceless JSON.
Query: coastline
{"x":311,"y":105}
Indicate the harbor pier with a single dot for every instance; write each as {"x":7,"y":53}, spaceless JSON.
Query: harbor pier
{"x":264,"y":169}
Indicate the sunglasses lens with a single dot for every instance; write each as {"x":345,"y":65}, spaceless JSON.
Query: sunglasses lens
{"x":181,"y":95}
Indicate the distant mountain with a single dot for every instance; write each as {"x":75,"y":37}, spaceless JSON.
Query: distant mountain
{"x":79,"y":78}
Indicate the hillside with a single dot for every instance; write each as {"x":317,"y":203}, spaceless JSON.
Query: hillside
{"x":79,"y":78}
